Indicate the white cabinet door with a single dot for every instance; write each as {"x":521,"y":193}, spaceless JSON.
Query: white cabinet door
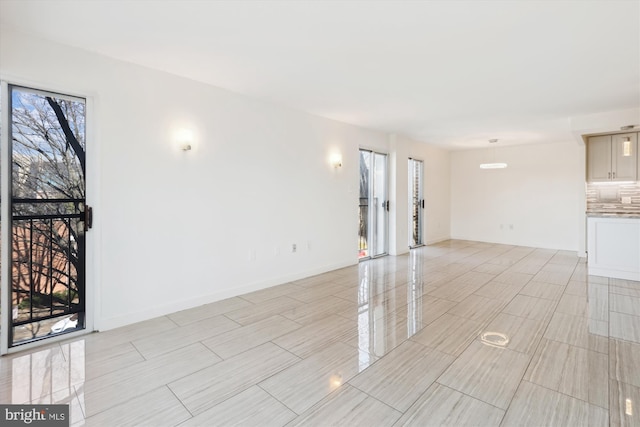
{"x":599,"y":158}
{"x":613,"y":247}
{"x":624,"y":157}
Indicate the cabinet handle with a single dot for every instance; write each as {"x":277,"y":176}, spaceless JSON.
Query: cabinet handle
{"x":609,"y":175}
{"x":614,"y":175}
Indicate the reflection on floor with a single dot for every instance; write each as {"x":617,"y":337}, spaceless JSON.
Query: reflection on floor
{"x":458,"y":333}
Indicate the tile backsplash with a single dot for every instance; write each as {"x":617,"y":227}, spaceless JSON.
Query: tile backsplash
{"x":609,"y":196}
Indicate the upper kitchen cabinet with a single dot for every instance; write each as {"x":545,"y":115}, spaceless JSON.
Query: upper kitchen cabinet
{"x":599,"y":158}
{"x":624,"y":157}
{"x":612,"y":158}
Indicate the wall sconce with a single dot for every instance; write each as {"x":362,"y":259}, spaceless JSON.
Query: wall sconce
{"x":626,"y":147}
{"x":336,"y":160}
{"x":185,"y":139}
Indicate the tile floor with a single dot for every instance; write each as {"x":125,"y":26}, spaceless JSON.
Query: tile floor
{"x":392,"y":341}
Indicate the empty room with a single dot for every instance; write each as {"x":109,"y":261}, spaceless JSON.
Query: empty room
{"x":320,"y":213}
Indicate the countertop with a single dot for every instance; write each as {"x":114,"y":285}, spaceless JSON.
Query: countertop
{"x":609,"y":214}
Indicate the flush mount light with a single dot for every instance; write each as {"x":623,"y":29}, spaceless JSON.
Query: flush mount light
{"x":494,"y":164}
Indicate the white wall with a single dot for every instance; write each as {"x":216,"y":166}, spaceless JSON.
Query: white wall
{"x":177,"y":229}
{"x":539,"y":194}
{"x":436,"y":192}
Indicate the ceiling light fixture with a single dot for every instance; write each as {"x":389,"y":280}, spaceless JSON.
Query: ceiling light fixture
{"x":494,"y":164}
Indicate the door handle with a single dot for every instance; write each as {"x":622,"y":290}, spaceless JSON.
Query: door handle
{"x":422,"y":203}
{"x":88,"y":217}
{"x":386,"y":205}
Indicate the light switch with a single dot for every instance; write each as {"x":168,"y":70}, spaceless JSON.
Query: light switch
{"x":626,"y":200}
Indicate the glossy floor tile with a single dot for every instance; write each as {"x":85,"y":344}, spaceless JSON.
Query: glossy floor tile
{"x":348,"y":406}
{"x":542,"y":290}
{"x":529,"y":307}
{"x":160,"y":407}
{"x":155,"y":345}
{"x":624,"y":326}
{"x":449,"y":334}
{"x":497,"y":290}
{"x":575,"y":330}
{"x":251,"y":407}
{"x":488,"y":373}
{"x":306,"y":382}
{"x":537,"y":406}
{"x":403,"y":375}
{"x":240,"y":339}
{"x":319,"y":309}
{"x":305,"y":341}
{"x":443,"y":406}
{"x":477,"y":308}
{"x":207,"y":387}
{"x":623,"y":404}
{"x":570,"y":370}
{"x":624,"y":360}
{"x":456,"y":333}
{"x":184,"y":317}
{"x":135,"y":380}
{"x":523,"y":334}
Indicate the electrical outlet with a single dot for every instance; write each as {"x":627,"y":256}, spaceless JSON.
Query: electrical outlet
{"x":510,"y":226}
{"x":294,"y":248}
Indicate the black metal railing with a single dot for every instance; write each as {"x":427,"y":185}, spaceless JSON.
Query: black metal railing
{"x":47,"y":259}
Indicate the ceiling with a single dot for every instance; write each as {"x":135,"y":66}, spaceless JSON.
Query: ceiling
{"x":450,"y":73}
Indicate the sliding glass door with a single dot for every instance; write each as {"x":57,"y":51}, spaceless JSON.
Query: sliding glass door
{"x":373,"y":210}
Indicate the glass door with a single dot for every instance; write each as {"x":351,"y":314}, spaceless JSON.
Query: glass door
{"x":416,"y":203}
{"x":373,"y":211}
{"x":48,"y":216}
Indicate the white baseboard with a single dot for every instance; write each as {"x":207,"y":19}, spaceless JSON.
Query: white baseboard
{"x":107,"y":323}
{"x":437,"y":240}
